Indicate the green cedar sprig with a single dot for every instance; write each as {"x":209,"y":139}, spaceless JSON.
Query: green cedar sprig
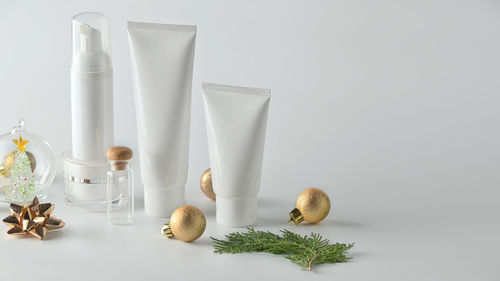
{"x":302,"y":250}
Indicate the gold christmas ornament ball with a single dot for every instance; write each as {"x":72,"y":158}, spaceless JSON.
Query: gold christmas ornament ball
{"x":8,"y":161}
{"x":206,"y":184}
{"x":187,"y":223}
{"x":312,"y":206}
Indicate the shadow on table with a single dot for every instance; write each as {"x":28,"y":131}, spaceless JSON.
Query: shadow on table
{"x":55,"y":234}
{"x":336,"y":223}
{"x":270,"y":222}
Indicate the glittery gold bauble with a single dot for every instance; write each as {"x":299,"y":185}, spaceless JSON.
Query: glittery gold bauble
{"x":312,"y":206}
{"x":8,"y":162}
{"x":206,"y":184}
{"x":187,"y":223}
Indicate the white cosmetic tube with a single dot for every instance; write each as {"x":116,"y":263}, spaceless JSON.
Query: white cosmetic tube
{"x":162,"y":58}
{"x":236,"y":120}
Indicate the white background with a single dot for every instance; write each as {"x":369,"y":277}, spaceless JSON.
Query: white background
{"x":392,"y":107}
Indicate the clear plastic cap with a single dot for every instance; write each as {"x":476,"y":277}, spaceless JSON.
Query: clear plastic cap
{"x":91,"y":50}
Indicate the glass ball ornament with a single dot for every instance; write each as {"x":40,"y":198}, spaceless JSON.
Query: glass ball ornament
{"x":27,"y":166}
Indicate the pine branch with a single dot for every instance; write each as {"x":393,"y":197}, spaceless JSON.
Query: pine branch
{"x":302,"y":250}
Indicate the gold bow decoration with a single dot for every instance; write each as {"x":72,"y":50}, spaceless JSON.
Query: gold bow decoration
{"x":34,"y":218}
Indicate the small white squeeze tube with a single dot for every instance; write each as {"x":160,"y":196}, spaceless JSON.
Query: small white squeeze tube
{"x":236,"y":120}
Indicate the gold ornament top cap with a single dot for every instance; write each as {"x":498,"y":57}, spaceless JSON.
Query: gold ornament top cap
{"x":296,"y":216}
{"x":167,"y":231}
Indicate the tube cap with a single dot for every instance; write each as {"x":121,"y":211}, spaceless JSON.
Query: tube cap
{"x":236,"y":211}
{"x":162,"y":202}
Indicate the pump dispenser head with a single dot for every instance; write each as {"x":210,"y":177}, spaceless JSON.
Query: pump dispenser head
{"x":91,"y":51}
{"x":90,"y":39}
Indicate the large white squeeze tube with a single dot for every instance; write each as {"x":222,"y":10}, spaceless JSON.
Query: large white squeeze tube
{"x":162,"y":58}
{"x":236,"y":120}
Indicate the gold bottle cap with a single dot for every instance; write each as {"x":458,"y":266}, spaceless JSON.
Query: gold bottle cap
{"x":296,"y":216}
{"x":167,"y":231}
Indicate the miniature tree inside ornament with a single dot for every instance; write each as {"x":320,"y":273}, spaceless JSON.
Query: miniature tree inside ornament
{"x":22,"y":186}
{"x":28,"y":167}
{"x":9,"y":159}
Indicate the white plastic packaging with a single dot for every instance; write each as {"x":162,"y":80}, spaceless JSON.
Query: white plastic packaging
{"x":236,"y":119}
{"x":84,"y":167}
{"x":162,"y":57}
{"x":91,"y":88}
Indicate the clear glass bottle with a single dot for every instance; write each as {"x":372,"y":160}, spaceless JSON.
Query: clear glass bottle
{"x":120,"y":186}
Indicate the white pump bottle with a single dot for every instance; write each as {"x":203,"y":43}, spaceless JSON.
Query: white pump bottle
{"x":91,"y":88}
{"x":84,"y":168}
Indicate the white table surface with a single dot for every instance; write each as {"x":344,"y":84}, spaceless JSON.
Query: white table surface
{"x":414,"y":241}
{"x":390,"y":106}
